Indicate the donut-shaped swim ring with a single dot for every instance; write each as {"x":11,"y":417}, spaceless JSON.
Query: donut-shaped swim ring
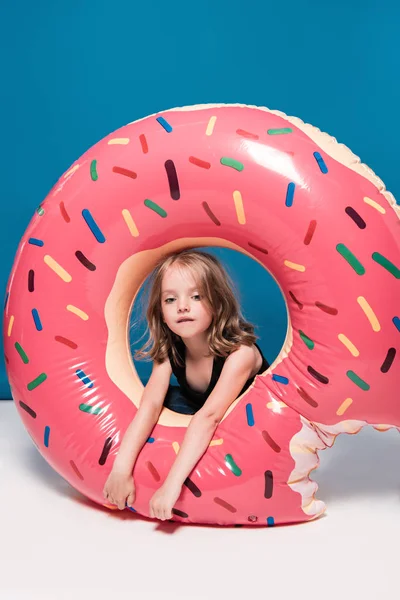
{"x":245,"y":178}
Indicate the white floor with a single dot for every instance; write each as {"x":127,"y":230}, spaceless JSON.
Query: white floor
{"x":56,"y":545}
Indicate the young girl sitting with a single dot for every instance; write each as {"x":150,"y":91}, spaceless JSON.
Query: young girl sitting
{"x":197,"y":332}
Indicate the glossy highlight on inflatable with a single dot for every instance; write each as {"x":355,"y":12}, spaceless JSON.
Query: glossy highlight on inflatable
{"x":241,"y":177}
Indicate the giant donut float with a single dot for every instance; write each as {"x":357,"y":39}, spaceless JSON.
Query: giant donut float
{"x":246,"y":178}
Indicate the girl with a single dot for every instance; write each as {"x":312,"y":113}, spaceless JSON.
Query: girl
{"x":197,"y":332}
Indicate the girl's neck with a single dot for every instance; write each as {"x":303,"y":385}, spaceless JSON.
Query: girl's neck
{"x":196,"y":347}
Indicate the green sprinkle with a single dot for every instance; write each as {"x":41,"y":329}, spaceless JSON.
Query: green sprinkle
{"x":232,"y":465}
{"x":279,"y":131}
{"x":231,"y":162}
{"x":351,"y":259}
{"x":40,"y":211}
{"x":358,"y":381}
{"x":22,"y":354}
{"x":33,"y":384}
{"x":308,"y":342}
{"x":153,"y":206}
{"x":93,"y":170}
{"x":93,"y":410}
{"x":386,"y":264}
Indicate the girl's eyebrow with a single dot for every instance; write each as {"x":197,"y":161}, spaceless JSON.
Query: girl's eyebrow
{"x":173,"y":291}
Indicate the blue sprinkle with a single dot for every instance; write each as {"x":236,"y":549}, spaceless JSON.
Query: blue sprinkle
{"x":35,"y":242}
{"x":36,"y":318}
{"x":250,"y":416}
{"x":164,"y":124}
{"x":280,"y":379}
{"x":290,"y":194}
{"x":321,"y":163}
{"x":46,"y":436}
{"x":130,"y":508}
{"x":6,"y":300}
{"x":85,"y":378}
{"x":150,"y":440}
{"x":94,"y":228}
{"x":396,"y":321}
{"x":270,"y":521}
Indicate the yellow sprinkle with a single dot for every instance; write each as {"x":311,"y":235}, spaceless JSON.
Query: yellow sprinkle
{"x":237,"y":197}
{"x":175,"y":446}
{"x":130,"y":222}
{"x":344,"y":406}
{"x":50,"y":262}
{"x":210,"y":126}
{"x":217,"y":442}
{"x":374,"y":204}
{"x":123,"y":141}
{"x":10,"y":325}
{"x":294,"y":266}
{"x":346,"y":342}
{"x":70,"y":171}
{"x":369,"y":313}
{"x":78,"y":312}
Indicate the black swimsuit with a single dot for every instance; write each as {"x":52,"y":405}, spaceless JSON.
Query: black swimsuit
{"x":197,"y":399}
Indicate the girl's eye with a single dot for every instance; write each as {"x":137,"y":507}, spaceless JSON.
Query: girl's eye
{"x":167,"y":300}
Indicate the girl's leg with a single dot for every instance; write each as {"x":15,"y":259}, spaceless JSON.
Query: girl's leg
{"x":176,"y":401}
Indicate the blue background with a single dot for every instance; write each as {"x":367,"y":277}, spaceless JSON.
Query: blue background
{"x":74,"y":71}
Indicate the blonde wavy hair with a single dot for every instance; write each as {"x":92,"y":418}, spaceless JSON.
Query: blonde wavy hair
{"x":228,"y":329}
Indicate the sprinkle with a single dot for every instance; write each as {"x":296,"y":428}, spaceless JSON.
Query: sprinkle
{"x":321,"y":163}
{"x":270,"y":521}
{"x":211,"y":125}
{"x":249,"y":414}
{"x":263,"y":250}
{"x":164,"y":124}
{"x":64,"y":213}
{"x":192,"y":487}
{"x":396,"y":321}
{"x":22,"y":353}
{"x":118,"y":141}
{"x":375,"y":205}
{"x":93,"y":410}
{"x":179,"y":513}
{"x":280,"y":379}
{"x":369,"y":313}
{"x":85,"y":379}
{"x":76,"y":470}
{"x":290,"y":194}
{"x":85,"y":261}
{"x":143,"y":143}
{"x":306,"y":397}
{"x":105,"y":451}
{"x":40,"y":211}
{"x":78,"y":312}
{"x":27,"y":409}
{"x":269,"y":484}
{"x":131,"y":509}
{"x":36,"y":382}
{"x":308,"y":342}
{"x":150,"y":440}
{"x":46,"y":436}
{"x":386,"y":264}
{"x":351,"y":259}
{"x":58,"y":270}
{"x":271,"y":443}
{"x":299,"y":304}
{"x":225,"y":505}
{"x":294,"y":266}
{"x":36,"y":319}
{"x":358,"y":381}
{"x":91,"y":223}
{"x":6,"y":300}
{"x":70,"y":171}
{"x":175,"y":446}
{"x":237,"y":198}
{"x":10,"y":325}
{"x":130,"y":222}
{"x":157,"y":209}
{"x":31,"y":280}
{"x":231,"y":162}
{"x":390,"y":356}
{"x":344,"y":406}
{"x":36,"y":242}
{"x":247,"y":134}
{"x":310,"y":232}
{"x":172,"y":179}
{"x":349,"y":345}
{"x":218,"y":442}
{"x":199,"y":163}
{"x":209,"y":212}
{"x":66,"y":341}
{"x":153,"y":470}
{"x":328,"y":309}
{"x":281,"y":131}
{"x":126,"y":172}
{"x":318,"y":376}
{"x":230,"y":463}
{"x":358,"y":220}
{"x":93,"y":170}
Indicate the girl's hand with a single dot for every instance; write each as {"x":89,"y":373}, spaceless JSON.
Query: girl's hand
{"x":119,"y":489}
{"x":163,"y":501}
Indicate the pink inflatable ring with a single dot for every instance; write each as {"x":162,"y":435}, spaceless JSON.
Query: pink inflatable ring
{"x":240,"y":177}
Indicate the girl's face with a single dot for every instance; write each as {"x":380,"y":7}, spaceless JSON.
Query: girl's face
{"x":184,"y":310}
